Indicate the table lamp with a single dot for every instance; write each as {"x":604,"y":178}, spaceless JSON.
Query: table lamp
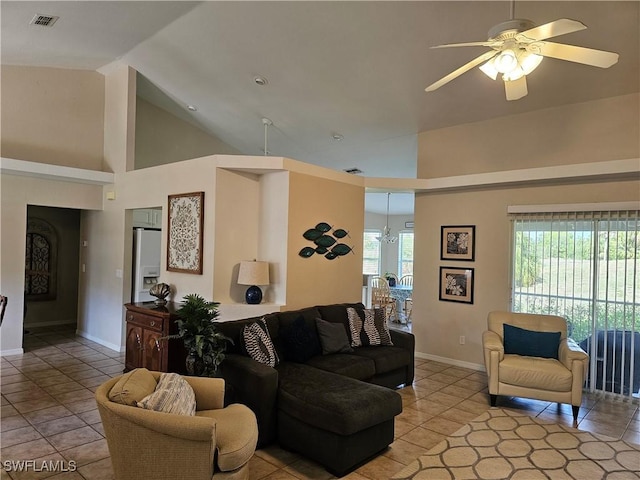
{"x":253,"y":273}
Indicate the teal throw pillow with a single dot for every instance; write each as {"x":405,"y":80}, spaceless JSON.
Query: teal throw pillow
{"x":530,"y":343}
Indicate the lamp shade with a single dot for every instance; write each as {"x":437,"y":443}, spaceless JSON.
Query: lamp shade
{"x":253,"y":273}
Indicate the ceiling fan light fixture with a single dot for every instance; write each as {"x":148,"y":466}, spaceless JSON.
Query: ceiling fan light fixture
{"x":386,"y":236}
{"x":506,"y":61}
{"x":489,"y":69}
{"x":513,"y":75}
{"x":529,"y":61}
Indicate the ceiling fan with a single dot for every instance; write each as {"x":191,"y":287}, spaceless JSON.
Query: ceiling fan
{"x":518,"y":47}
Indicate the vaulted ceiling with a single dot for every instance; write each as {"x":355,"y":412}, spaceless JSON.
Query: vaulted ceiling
{"x":334,"y":68}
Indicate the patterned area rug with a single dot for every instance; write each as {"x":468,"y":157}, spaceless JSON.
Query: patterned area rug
{"x":502,"y":444}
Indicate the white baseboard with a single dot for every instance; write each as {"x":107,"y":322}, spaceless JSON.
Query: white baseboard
{"x":451,"y":361}
{"x":112,"y":346}
{"x":49,"y":324}
{"x":15,"y":351}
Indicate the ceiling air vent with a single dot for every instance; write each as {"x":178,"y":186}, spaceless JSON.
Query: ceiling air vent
{"x":353,"y":171}
{"x":43,"y":20}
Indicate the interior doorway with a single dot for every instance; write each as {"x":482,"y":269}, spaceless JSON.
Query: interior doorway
{"x":52,"y":267}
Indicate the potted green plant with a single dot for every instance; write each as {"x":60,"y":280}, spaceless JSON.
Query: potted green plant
{"x":391,"y":279}
{"x":205,"y":346}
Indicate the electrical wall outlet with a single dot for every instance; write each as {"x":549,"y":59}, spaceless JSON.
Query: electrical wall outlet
{"x":462,"y":340}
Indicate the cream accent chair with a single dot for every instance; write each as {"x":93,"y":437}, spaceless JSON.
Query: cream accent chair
{"x":534,"y":377}
{"x":217,"y":443}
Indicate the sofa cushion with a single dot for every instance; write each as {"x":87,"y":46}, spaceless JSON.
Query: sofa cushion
{"x":333,"y":337}
{"x":535,"y":372}
{"x":309,"y":314}
{"x":132,"y":387}
{"x":521,"y":341}
{"x":334,"y":402}
{"x":257,"y":343}
{"x":368,"y":327}
{"x":299,"y":341}
{"x":385,"y":358}
{"x":236,"y":435}
{"x":172,"y":395}
{"x":351,"y":366}
{"x":338,"y":313}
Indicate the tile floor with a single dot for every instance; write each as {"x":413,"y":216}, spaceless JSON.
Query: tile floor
{"x":48,"y":412}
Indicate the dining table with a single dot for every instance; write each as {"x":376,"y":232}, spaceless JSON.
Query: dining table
{"x":400,"y":293}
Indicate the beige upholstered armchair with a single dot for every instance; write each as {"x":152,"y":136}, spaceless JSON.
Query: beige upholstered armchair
{"x":528,"y":375}
{"x":215,"y":443}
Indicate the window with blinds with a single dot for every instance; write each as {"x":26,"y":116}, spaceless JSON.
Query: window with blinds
{"x":584,"y":267}
{"x":405,"y":253}
{"x":371,"y":252}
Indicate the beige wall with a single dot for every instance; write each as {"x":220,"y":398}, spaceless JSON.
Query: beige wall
{"x":164,"y":138}
{"x":52,"y":115}
{"x":316,"y":280}
{"x":110,"y":237}
{"x":581,"y":133}
{"x":437,"y":324}
{"x":274,"y":220}
{"x":236,"y":233}
{"x":16,"y":193}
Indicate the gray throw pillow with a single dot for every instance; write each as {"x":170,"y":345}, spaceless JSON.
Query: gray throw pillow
{"x":333,"y":337}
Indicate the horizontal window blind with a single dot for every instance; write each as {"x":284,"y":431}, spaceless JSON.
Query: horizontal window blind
{"x":371,"y":252}
{"x":584,"y":267}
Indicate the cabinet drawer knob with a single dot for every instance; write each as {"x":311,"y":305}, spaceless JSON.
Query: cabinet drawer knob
{"x":130,"y":317}
{"x":153,"y":324}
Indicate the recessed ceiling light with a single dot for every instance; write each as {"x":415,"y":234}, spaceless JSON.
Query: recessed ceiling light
{"x":193,"y":108}
{"x":262,"y":81}
{"x":337,"y":137}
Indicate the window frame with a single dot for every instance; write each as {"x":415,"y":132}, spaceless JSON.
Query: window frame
{"x":375,"y":233}
{"x":401,"y":235}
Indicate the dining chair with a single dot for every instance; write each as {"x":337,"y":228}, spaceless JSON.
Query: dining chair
{"x":407,"y":281}
{"x":381,"y":297}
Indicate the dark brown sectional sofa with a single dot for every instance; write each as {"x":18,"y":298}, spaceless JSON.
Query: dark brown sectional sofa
{"x":337,"y":409}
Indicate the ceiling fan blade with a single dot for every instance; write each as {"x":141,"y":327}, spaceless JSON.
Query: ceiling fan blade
{"x":516,"y":89}
{"x":464,"y":68}
{"x":588,"y":56}
{"x":552,"y":29}
{"x":492,"y":44}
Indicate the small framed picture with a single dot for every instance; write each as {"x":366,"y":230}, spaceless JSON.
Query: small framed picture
{"x":456,"y":284}
{"x":458,"y":242}
{"x":184,"y":237}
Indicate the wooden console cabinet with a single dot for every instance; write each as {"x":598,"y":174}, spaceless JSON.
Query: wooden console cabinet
{"x":146,"y":344}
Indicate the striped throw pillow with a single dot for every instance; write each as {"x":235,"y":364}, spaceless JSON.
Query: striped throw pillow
{"x":172,"y":395}
{"x":368,"y":327}
{"x":257,"y":342}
